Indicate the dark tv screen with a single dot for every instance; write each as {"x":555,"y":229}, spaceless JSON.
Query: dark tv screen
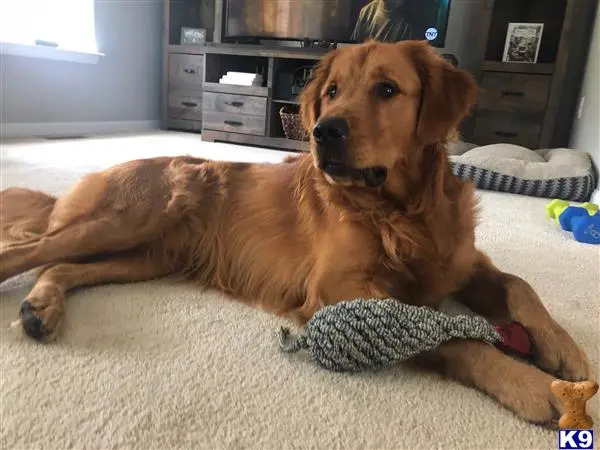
{"x":338,"y":20}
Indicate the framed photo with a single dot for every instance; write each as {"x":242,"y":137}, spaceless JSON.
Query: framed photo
{"x":193,"y":36}
{"x":523,"y":42}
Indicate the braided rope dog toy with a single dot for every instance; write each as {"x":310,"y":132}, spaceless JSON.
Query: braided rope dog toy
{"x":366,"y":334}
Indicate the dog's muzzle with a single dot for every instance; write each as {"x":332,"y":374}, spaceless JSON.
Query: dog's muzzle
{"x":331,"y":135}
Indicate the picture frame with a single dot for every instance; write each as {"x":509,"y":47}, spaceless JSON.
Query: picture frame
{"x":193,"y":36}
{"x":523,"y":42}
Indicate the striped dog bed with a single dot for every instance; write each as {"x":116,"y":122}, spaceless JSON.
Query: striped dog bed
{"x":551,"y":173}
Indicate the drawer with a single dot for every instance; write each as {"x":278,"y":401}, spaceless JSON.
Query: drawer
{"x":186,"y":70}
{"x":235,"y":104}
{"x":185,"y":104}
{"x":514,"y":92}
{"x":510,"y":130}
{"x":182,"y":124}
{"x":236,"y":123}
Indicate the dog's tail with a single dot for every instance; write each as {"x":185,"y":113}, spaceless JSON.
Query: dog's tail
{"x":24,"y":214}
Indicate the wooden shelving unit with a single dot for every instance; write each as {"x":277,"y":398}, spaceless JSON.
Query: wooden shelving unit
{"x":500,"y":66}
{"x":531,"y":104}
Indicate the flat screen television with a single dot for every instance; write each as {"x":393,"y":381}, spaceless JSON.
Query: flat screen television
{"x":347,"y":21}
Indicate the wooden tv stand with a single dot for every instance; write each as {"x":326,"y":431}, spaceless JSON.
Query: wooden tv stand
{"x":532,"y":105}
{"x":230,"y":113}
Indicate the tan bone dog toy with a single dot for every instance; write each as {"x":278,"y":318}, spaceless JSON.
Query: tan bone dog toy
{"x":574,"y":396}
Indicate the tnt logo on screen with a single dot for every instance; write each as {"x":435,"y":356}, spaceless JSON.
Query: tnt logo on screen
{"x":431,"y":33}
{"x":575,"y":439}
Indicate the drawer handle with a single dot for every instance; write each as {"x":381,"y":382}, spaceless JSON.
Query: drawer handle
{"x":191,"y":71}
{"x":189,"y":104}
{"x":233,"y":123}
{"x":505,"y":134}
{"x":236,"y":104}
{"x":512,"y":94}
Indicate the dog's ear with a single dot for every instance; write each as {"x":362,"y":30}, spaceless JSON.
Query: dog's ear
{"x":447,"y":94}
{"x":310,"y":98}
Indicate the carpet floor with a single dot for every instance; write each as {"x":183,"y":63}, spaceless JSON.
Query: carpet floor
{"x":159,"y":365}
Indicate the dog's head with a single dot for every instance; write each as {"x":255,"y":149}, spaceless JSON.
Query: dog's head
{"x":369,"y":107}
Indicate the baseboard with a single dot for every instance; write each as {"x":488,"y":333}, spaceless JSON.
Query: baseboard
{"x":68,"y":129}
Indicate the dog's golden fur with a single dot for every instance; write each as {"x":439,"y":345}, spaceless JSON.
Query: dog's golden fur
{"x":290,"y":238}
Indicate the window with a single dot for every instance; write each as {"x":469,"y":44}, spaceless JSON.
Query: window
{"x":68,"y":23}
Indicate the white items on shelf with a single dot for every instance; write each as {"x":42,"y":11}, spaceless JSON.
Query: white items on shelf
{"x":242,"y":79}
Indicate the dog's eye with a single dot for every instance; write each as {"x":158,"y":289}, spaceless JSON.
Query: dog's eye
{"x":332,"y":90}
{"x":386,"y":89}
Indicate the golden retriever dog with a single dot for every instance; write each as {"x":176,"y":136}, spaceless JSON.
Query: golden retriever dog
{"x":373,"y":210}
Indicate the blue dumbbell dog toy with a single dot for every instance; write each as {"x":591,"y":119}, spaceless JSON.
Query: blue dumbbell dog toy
{"x":586,"y":228}
{"x":583,"y":221}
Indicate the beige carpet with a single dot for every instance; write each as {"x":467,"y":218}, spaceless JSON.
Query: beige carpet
{"x":162,"y":366}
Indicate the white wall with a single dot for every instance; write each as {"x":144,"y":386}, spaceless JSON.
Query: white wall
{"x":124,"y":86}
{"x":586,"y":129}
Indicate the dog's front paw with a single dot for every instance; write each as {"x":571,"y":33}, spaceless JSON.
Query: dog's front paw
{"x":557,"y":353}
{"x":527,"y":392}
{"x":42,"y":313}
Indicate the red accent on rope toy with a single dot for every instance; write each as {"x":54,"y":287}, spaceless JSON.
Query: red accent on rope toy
{"x":515,"y":339}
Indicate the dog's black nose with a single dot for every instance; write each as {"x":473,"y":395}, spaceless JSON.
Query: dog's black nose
{"x":331,"y":129}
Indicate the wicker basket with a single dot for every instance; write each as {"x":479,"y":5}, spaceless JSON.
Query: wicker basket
{"x":291,"y":124}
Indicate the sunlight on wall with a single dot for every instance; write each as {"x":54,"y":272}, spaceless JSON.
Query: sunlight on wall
{"x":69,"y":23}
